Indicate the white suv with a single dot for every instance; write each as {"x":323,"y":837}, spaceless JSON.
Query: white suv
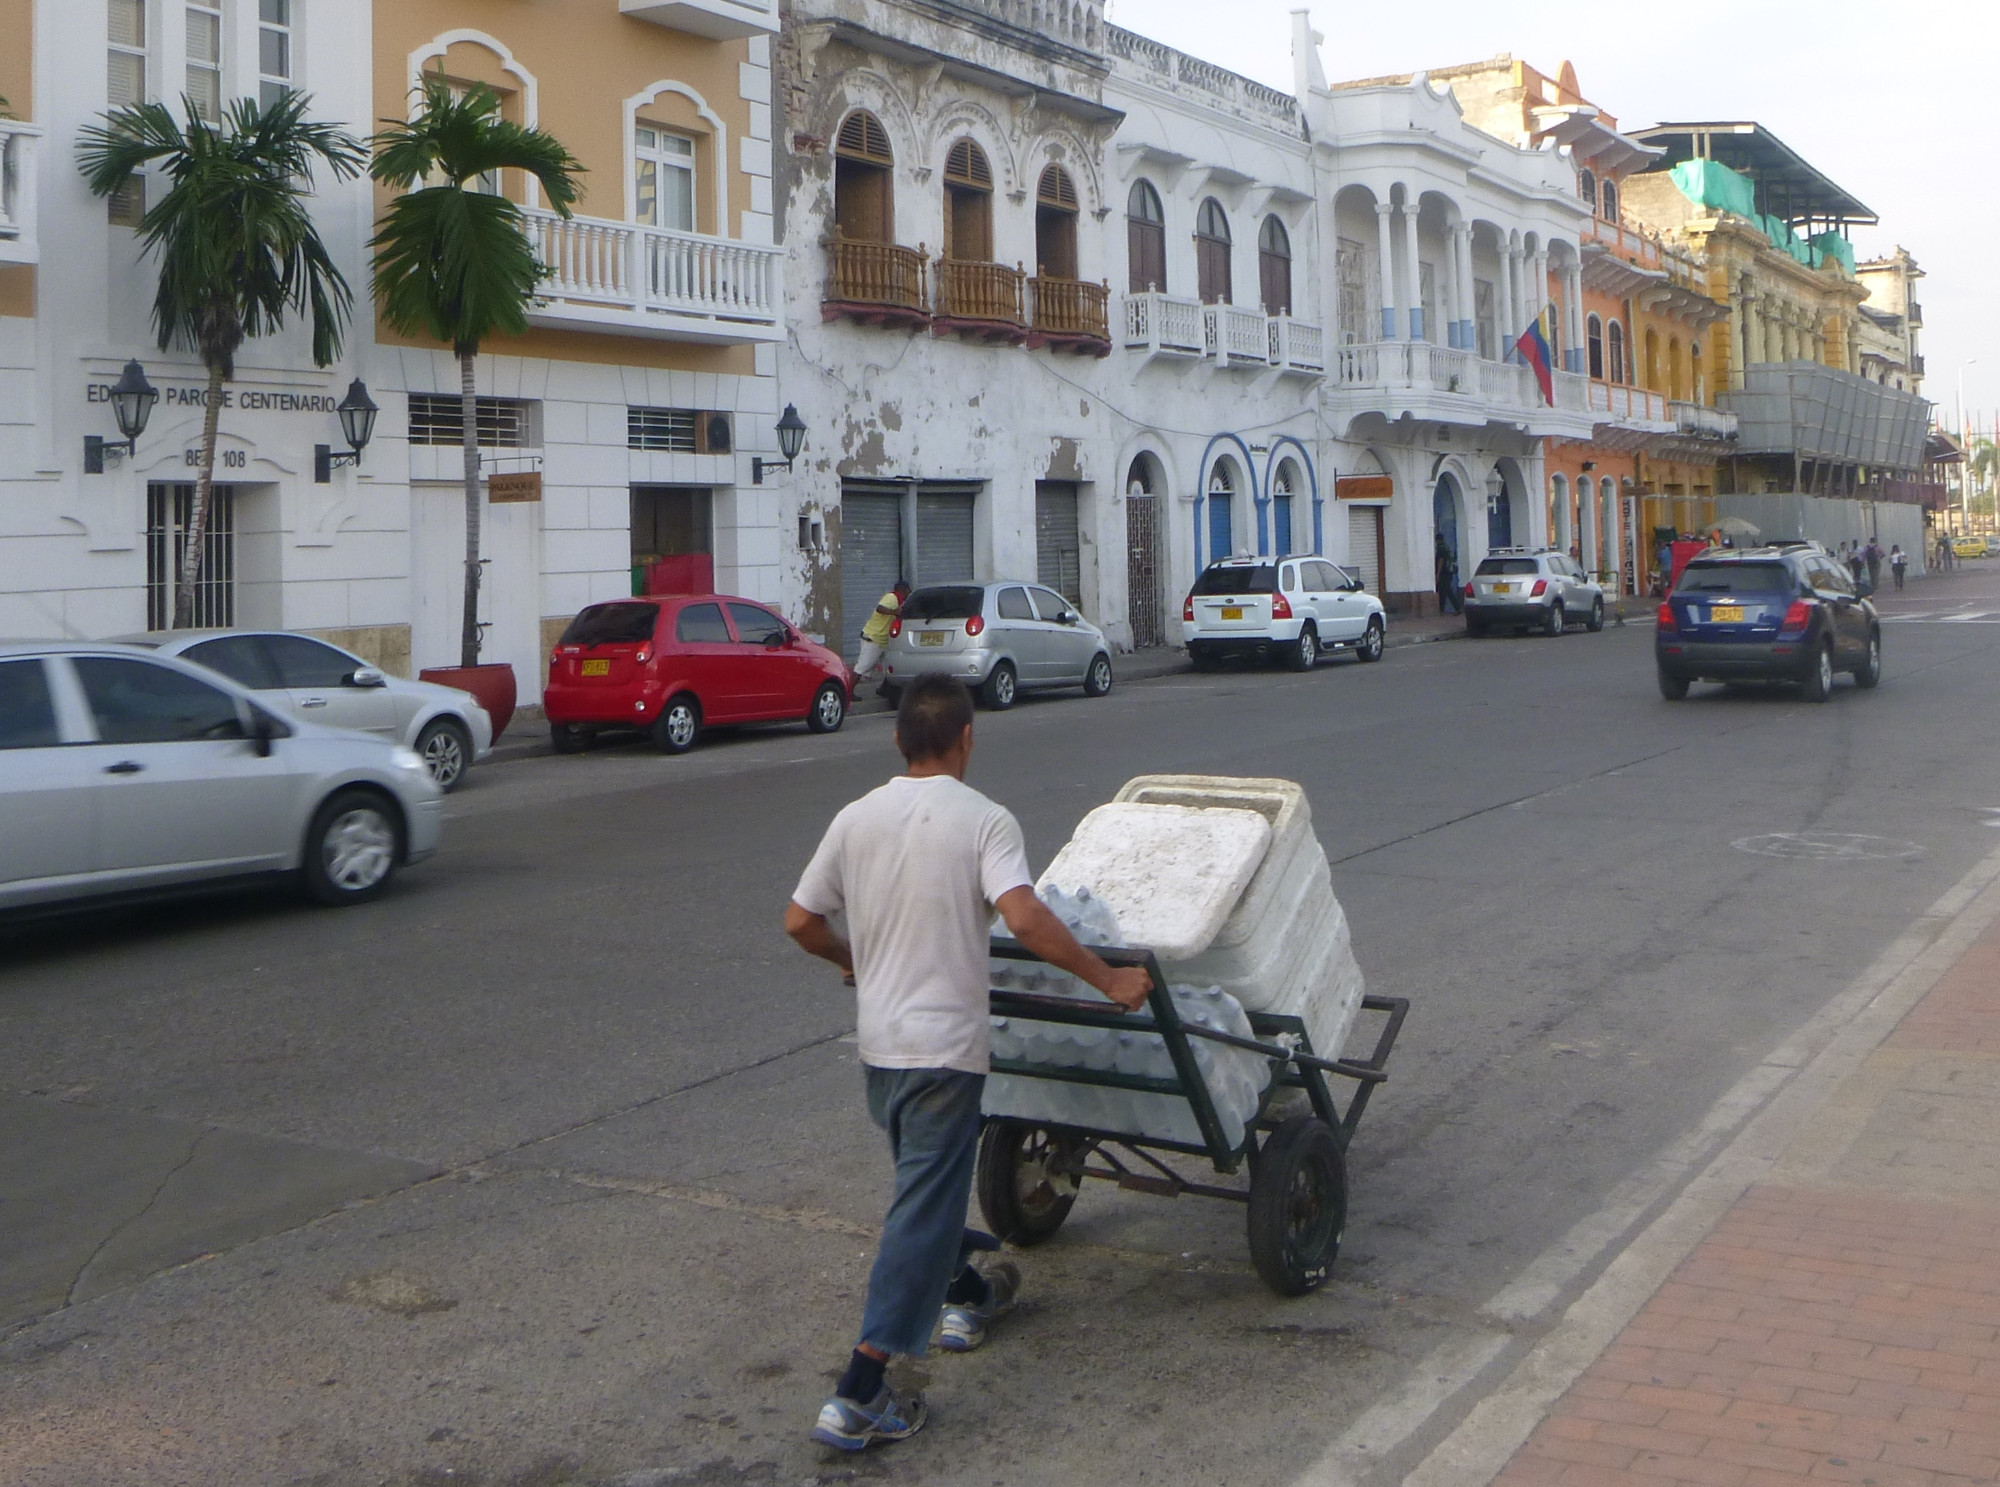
{"x":1527,"y":588}
{"x":1292,"y":608}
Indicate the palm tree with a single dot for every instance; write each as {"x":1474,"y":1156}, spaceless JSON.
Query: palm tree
{"x":1984,"y":459}
{"x":236,"y":246}
{"x":451,"y":259}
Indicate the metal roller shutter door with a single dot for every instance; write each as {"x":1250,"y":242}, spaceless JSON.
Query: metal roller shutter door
{"x":871,"y":558}
{"x":1364,"y":545}
{"x":1058,"y":552}
{"x":944,"y":534}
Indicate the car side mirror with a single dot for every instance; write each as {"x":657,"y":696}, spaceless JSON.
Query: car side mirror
{"x":365,"y":676}
{"x":777,"y":640}
{"x":1354,"y":586}
{"x":263,"y":728}
{"x":1067,"y":617}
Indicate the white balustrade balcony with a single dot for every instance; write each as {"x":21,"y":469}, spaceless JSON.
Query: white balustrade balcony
{"x":1234,"y":336}
{"x":18,"y":242}
{"x":1415,"y":379}
{"x":1161,"y":325}
{"x":719,"y":20}
{"x":651,"y":281}
{"x":1227,"y":335}
{"x":1615,"y":402}
{"x":1297,"y":346}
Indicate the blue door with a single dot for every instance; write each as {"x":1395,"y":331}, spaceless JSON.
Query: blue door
{"x":1281,"y":518}
{"x":1500,"y":520}
{"x":1220,"y":544}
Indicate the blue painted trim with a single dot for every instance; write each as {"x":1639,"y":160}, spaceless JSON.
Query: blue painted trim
{"x":1263,"y":504}
{"x":1198,"y":564}
{"x":1417,"y":322}
{"x":1312,"y":482}
{"x":1249,"y":474}
{"x":1388,"y":322}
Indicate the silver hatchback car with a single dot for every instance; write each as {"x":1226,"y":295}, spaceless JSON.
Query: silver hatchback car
{"x":999,"y":638}
{"x":1527,"y":588}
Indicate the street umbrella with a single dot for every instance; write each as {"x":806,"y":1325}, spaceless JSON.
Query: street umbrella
{"x":1736,"y":526}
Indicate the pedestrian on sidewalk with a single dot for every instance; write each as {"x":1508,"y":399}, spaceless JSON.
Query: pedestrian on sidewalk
{"x":1447,"y":578}
{"x":1898,"y":561}
{"x":919,"y":866}
{"x":875,"y":634}
{"x":1872,"y":556}
{"x":1855,"y":563}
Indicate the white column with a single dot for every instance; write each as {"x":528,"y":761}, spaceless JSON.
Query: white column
{"x":1468,"y":307}
{"x":1573,"y":293}
{"x":1454,"y":299}
{"x":1586,"y":510}
{"x":1540,"y":301}
{"x":1411,"y":266}
{"x":1386,"y":241}
{"x":1509,"y":304}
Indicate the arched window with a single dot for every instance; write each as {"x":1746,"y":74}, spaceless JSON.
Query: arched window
{"x":1055,"y":225}
{"x":1283,"y":485}
{"x":1211,"y":253}
{"x":1676,"y":380}
{"x":1615,"y":351}
{"x":1607,"y":203}
{"x":1221,"y":511}
{"x":1274,"y":267}
{"x":1145,"y":240}
{"x":1560,"y":522}
{"x":863,"y":208}
{"x":663,"y":190}
{"x":1594,"y":332}
{"x":1586,"y":187}
{"x":1650,"y":376}
{"x":968,"y":204}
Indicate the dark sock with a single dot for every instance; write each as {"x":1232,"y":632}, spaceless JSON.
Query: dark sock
{"x":863,"y":1379}
{"x":968,"y":1288}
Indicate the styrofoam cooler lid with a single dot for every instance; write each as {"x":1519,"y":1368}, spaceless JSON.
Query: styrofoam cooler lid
{"x":1171,"y":873}
{"x":1281,"y":802}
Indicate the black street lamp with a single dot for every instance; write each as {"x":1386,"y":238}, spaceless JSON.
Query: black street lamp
{"x":132,"y":399}
{"x":791,"y":439}
{"x":357,"y":423}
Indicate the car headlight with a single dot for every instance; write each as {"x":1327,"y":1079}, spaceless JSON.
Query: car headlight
{"x":404,"y":758}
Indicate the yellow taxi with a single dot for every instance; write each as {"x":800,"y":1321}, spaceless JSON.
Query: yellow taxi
{"x":1968,"y":547}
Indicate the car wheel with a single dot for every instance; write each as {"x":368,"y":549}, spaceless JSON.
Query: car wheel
{"x":567,"y":738}
{"x":1370,"y":648}
{"x":1304,"y":651}
{"x":678,"y":725}
{"x":1554,"y":621}
{"x":1819,"y":680}
{"x":1672,"y":687}
{"x":997,"y":692}
{"x":1870,"y":671}
{"x":1596,"y":620}
{"x":447,"y":750}
{"x":352,"y":847}
{"x":1097,"y":680}
{"x":829,"y":709}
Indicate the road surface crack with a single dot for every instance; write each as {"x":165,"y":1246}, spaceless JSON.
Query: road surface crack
{"x":69,"y":1297}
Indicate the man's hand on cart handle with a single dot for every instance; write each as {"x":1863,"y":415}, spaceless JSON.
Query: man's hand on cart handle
{"x":1030,"y":921}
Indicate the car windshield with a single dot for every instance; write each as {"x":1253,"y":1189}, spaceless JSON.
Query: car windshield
{"x":612,"y":624}
{"x":1735,"y":578}
{"x":1246,"y":578}
{"x":1490,"y":566}
{"x":958,"y":601}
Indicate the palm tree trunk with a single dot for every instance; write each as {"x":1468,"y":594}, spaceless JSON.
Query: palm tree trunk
{"x":468,"y":642}
{"x":197,"y":528}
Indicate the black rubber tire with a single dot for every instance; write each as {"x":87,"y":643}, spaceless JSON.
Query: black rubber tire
{"x":999,"y":689}
{"x":678,"y":725}
{"x":1673,"y":688}
{"x":1475,"y":628}
{"x":1596,"y":620}
{"x":1097,"y":680}
{"x":1370,"y":648}
{"x":1818,"y":683}
{"x":446,"y":747}
{"x":344,"y":820}
{"x":1298,"y":1205}
{"x":829,"y":709}
{"x":1303,"y":653}
{"x":1869,"y":672}
{"x":1021,"y":1201}
{"x":1202,"y":660}
{"x":1555,"y":621}
{"x":567,"y":738}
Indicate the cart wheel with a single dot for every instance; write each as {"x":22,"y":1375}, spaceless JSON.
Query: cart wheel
{"x":1298,"y":1205}
{"x":1027,"y":1179}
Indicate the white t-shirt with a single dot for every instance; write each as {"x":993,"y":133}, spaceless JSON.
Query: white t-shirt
{"x":917,"y":866}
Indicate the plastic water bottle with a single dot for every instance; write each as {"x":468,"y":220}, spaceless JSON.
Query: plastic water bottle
{"x":1006,"y":1042}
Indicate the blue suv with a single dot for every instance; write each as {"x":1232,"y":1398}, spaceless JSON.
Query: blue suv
{"x":1767,"y":614}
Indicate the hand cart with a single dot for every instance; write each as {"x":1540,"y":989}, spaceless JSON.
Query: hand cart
{"x":1030,"y":1172}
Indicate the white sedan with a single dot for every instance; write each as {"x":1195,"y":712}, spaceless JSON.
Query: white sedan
{"x":124,"y":773}
{"x":304,"y":677}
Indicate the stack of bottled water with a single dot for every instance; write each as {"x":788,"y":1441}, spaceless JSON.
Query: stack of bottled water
{"x":1236,"y":1078}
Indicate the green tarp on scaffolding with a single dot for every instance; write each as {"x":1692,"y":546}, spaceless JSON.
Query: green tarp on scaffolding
{"x":1710,"y":183}
{"x":1833,"y":245}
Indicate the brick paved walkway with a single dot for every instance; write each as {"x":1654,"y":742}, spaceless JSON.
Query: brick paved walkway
{"x":1842,"y":1322}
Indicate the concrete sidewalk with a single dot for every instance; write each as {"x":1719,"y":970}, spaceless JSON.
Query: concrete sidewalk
{"x":1841,"y":1322}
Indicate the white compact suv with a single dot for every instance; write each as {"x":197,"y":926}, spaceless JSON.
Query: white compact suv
{"x":1292,"y":608}
{"x":1529,"y":588}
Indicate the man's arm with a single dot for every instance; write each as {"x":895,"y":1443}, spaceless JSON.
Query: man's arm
{"x":816,"y":937}
{"x":1030,"y":922}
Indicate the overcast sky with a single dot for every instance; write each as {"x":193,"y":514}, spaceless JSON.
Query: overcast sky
{"x":1894,"y":99}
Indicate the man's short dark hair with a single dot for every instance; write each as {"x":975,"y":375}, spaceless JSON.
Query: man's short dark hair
{"x":934,"y":712}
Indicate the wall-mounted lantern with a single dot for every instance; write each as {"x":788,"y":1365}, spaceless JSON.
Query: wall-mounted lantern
{"x":132,"y":399}
{"x":791,"y":439}
{"x":357,"y":424}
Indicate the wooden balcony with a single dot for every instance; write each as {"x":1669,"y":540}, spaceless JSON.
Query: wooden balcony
{"x":1070,"y":315}
{"x":982,"y":300}
{"x":876,"y":283}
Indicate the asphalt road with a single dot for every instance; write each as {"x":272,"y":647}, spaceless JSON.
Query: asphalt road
{"x":552,"y":1166}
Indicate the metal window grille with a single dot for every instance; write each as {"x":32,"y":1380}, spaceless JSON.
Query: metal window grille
{"x":169,"y":510}
{"x":660,"y":428}
{"x":435,"y":418}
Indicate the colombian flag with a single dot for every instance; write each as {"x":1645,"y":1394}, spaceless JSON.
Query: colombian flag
{"x":1534,"y":349}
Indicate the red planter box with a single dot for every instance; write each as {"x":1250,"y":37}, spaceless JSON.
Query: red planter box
{"x":492,"y":684}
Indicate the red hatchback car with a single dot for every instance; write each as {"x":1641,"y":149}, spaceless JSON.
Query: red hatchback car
{"x":670,"y":665}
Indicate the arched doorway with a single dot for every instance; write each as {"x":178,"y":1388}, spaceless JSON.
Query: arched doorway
{"x":1560,"y":510}
{"x":1499,"y":511}
{"x":1446,"y":557}
{"x":1221,"y":510}
{"x":1284,"y":486}
{"x":1144,"y":483}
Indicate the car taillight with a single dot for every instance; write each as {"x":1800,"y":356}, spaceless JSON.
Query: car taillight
{"x":1281,"y":607}
{"x":1666,"y":620}
{"x":895,"y":627}
{"x":1187,"y":608}
{"x":1541,"y":587}
{"x":1797,"y":617}
{"x":1469,"y":592}
{"x":975,"y":625}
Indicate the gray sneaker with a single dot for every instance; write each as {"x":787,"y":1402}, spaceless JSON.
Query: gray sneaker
{"x":965,"y":1325}
{"x":890,"y":1416}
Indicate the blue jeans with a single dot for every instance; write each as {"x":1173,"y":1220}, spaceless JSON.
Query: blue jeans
{"x":932,"y":1120}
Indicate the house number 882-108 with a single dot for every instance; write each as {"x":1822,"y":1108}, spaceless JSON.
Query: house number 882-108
{"x":229,"y":459}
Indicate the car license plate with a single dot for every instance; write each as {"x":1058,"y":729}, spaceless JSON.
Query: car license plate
{"x":1503,"y":588}
{"x":930,"y":637}
{"x":1232,"y":611}
{"x":1725,"y":614}
{"x":596,"y":668}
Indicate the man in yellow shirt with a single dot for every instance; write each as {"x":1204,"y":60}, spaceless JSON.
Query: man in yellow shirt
{"x":875,"y":634}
